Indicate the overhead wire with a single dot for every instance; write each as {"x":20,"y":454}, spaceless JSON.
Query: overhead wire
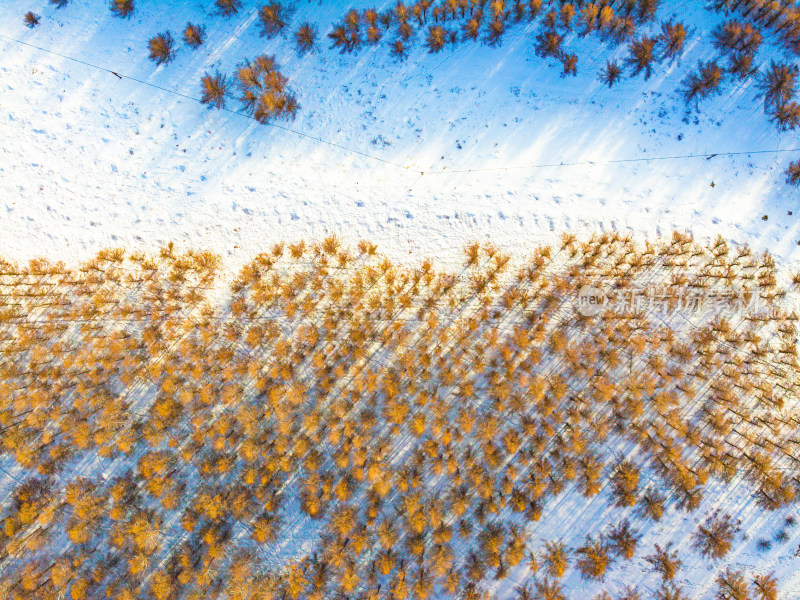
{"x":119,"y":75}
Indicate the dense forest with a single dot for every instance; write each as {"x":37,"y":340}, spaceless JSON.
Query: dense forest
{"x":165,"y":434}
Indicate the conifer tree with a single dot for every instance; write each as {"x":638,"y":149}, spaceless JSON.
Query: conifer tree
{"x":194,"y":35}
{"x":670,"y":591}
{"x":714,"y":538}
{"x":437,"y":37}
{"x":778,"y":84}
{"x":228,"y":8}
{"x":672,"y":39}
{"x":548,"y":589}
{"x":731,"y":585}
{"x":765,"y":587}
{"x":274,"y":17}
{"x":31,"y":19}
{"x":569,"y":65}
{"x":611,"y":73}
{"x":787,"y":116}
{"x":305,"y":38}
{"x":703,"y":83}
{"x":593,"y":558}
{"x":641,"y":56}
{"x":162,"y":48}
{"x":122,"y":8}
{"x":793,"y":173}
{"x":624,"y":539}
{"x":555,"y":559}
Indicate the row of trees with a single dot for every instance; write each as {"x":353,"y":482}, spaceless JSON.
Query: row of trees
{"x":415,"y":422}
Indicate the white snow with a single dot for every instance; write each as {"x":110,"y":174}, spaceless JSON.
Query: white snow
{"x":90,"y":161}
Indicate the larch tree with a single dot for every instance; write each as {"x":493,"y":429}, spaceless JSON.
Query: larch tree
{"x":624,"y":539}
{"x":228,"y":8}
{"x":703,"y":83}
{"x":305,"y":38}
{"x":162,"y":48}
{"x":274,"y":17}
{"x":731,"y":585}
{"x":122,"y":8}
{"x":555,"y":559}
{"x":765,"y":587}
{"x":778,"y":84}
{"x":194,"y":35}
{"x":672,"y":39}
{"x":214,"y":89}
{"x":641,"y":54}
{"x":593,"y":558}
{"x":31,"y":19}
{"x":611,"y":73}
{"x":793,"y":173}
{"x":714,"y":538}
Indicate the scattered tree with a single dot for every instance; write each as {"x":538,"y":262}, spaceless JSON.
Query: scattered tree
{"x":215,"y":89}
{"x":122,"y":8}
{"x":31,"y":19}
{"x":194,"y":35}
{"x":162,"y":48}
{"x":714,"y":538}
{"x":305,"y":38}
{"x":274,"y":17}
{"x":228,"y":8}
{"x":611,"y":73}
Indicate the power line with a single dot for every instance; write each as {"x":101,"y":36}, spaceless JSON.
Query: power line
{"x":610,"y":161}
{"x":422,"y":173}
{"x":182,"y":95}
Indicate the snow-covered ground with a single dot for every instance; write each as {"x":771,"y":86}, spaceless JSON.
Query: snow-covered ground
{"x":91,"y":161}
{"x":474,"y":140}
